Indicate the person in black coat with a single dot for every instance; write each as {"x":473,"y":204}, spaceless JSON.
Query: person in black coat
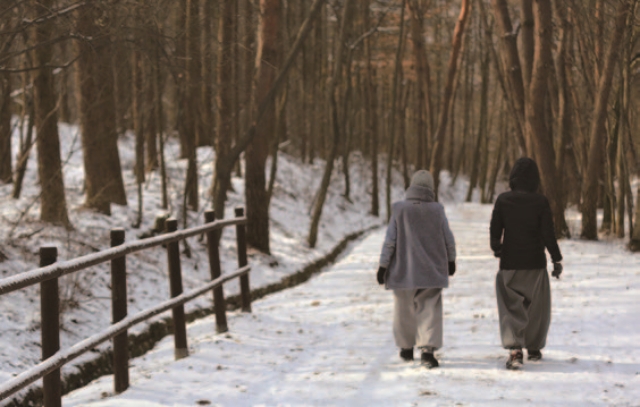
{"x":521,"y":229}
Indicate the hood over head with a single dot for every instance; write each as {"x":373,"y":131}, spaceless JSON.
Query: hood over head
{"x":422,"y":178}
{"x":524,"y":175}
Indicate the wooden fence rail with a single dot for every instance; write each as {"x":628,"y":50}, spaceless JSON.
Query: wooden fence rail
{"x":49,"y":272}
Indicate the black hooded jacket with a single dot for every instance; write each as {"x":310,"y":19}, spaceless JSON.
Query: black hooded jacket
{"x":521,"y":222}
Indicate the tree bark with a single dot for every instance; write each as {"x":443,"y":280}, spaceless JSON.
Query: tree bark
{"x":509,"y":51}
{"x":103,"y":174}
{"x":224,"y":164}
{"x":564,"y":118}
{"x":597,"y":131}
{"x":528,"y":41}
{"x":223,"y":139}
{"x":6,"y":170}
{"x":335,"y":124}
{"x":397,"y":73}
{"x":436,"y":157}
{"x":192,"y":114}
{"x":423,"y":77}
{"x":371,"y":109}
{"x":258,"y":150}
{"x":535,"y":112}
{"x":53,"y":203}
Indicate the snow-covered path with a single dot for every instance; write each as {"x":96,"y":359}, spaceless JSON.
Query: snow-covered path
{"x":328,"y":342}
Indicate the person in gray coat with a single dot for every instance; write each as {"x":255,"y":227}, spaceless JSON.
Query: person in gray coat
{"x":418,"y":256}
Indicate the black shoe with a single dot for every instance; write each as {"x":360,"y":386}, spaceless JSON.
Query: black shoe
{"x":406,"y":354}
{"x":515,"y":361}
{"x":428,"y":360}
{"x":534,"y":355}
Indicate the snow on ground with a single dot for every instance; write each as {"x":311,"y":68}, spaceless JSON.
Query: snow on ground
{"x":85,"y":296}
{"x":328,"y":342}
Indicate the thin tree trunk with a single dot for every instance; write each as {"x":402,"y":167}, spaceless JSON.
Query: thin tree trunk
{"x":224,"y":164}
{"x":6,"y":171}
{"x":424,"y":134}
{"x":103,"y":174}
{"x":535,"y":112}
{"x":53,"y":206}
{"x":334,"y":84}
{"x":512,"y":65}
{"x":590,"y":185}
{"x":192,"y":115}
{"x":25,"y":147}
{"x":622,"y":180}
{"x":528,"y":41}
{"x":392,"y":112}
{"x":371,"y":112}
{"x":564,"y":96}
{"x":402,"y":125}
{"x":207,"y":131}
{"x":258,"y":150}
{"x":139,"y":121}
{"x":439,"y":140}
{"x":159,"y":111}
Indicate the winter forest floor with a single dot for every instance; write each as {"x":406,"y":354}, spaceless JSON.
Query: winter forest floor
{"x":328,"y":342}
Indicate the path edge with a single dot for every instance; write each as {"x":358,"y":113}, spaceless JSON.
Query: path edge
{"x":141,"y":343}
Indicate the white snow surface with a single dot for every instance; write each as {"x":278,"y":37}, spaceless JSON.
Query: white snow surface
{"x":86,"y":295}
{"x":328,"y":342}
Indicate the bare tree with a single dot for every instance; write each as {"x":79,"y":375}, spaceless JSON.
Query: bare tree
{"x":53,"y":202}
{"x":103,"y":174}
{"x":597,"y":132}
{"x":436,"y":157}
{"x":334,"y":83}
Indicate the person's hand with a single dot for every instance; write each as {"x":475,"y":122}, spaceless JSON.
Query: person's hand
{"x":497,"y":253}
{"x":452,"y":268}
{"x":557,"y":270}
{"x":381,"y":272}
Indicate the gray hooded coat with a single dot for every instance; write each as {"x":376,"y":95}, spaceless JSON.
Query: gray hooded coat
{"x":419,"y":243}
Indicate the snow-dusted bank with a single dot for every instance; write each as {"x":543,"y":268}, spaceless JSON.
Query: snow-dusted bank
{"x":328,"y":342}
{"x":85,"y":296}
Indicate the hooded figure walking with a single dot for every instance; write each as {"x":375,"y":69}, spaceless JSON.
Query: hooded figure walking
{"x":521,"y":229}
{"x":418,"y":256}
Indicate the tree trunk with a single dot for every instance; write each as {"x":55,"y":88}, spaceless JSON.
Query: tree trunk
{"x":528,"y":41}
{"x":258,"y":150}
{"x":103,"y":174}
{"x":6,"y":170}
{"x":192,"y":114}
{"x":436,"y":158}
{"x":207,"y":134}
{"x":397,"y":72}
{"x":224,"y":164}
{"x":535,"y":112}
{"x":139,"y":121}
{"x":564,"y":118}
{"x":334,"y":84}
{"x":509,"y":51}
{"x":25,"y":145}
{"x":371,"y":113}
{"x":417,"y":9}
{"x":53,"y":203}
{"x":224,"y":102}
{"x":597,"y":132}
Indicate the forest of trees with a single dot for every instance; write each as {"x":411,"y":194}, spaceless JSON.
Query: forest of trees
{"x":466,"y":86}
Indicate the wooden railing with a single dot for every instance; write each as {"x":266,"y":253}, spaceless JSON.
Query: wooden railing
{"x":47,"y":276}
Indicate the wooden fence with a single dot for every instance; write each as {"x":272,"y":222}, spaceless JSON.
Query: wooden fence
{"x":47,"y":276}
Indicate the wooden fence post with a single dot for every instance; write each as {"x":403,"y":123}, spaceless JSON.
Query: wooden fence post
{"x":219,"y":302}
{"x":175,"y":281}
{"x":50,"y":328}
{"x":118,"y":313}
{"x":245,"y":290}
